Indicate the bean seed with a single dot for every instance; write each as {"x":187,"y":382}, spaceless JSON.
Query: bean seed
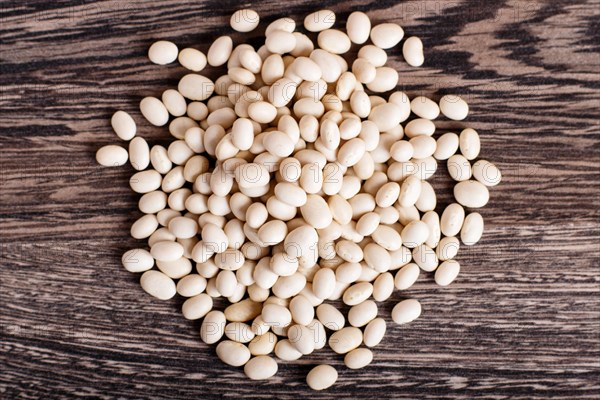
{"x":412,"y":50}
{"x":245,"y":20}
{"x":469,"y":143}
{"x":406,"y":311}
{"x":471,"y":194}
{"x":486,"y":173}
{"x":233,"y":353}
{"x":387,"y":35}
{"x":123,"y":125}
{"x":162,"y":52}
{"x":358,"y":27}
{"x":472,"y":229}
{"x":319,"y":20}
{"x":137,"y":260}
{"x":158,"y":285}
{"x":345,"y":340}
{"x":358,"y":358}
{"x":374,"y":332}
{"x":321,"y":377}
{"x":112,"y":156}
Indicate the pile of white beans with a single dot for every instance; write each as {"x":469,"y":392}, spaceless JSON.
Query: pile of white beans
{"x":288,"y":185}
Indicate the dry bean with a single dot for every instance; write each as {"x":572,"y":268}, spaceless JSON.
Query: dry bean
{"x":424,"y":256}
{"x":280,"y":42}
{"x":358,"y":27}
{"x":454,"y":107}
{"x":447,"y":248}
{"x":358,"y":358}
{"x":406,"y":276}
{"x":447,"y":272}
{"x":302,"y":310}
{"x":192,"y":59}
{"x":406,"y":311}
{"x":244,"y":20}
{"x":447,"y":146}
{"x":385,"y":116}
{"x":383,"y":287}
{"x":286,"y":351}
{"x":414,"y":234}
{"x":345,"y":340}
{"x":123,"y":125}
{"x":419,"y":126}
{"x":139,"y":153}
{"x":319,"y":21}
{"x":301,"y":338}
{"x":321,"y":377}
{"x":386,"y":35}
{"x":233,"y":353}
{"x":386,"y":79}
{"x":137,"y":260}
{"x":472,"y":229}
{"x":289,"y":286}
{"x":195,"y":87}
{"x":312,"y":193}
{"x":324,"y":283}
{"x":424,"y":107}
{"x":459,"y":168}
{"x":486,"y":173}
{"x":262,"y":112}
{"x":191,"y":285}
{"x":427,"y":199}
{"x":412,"y":50}
{"x":154,"y":111}
{"x":316,"y":212}
{"x":328,"y":64}
{"x":219,"y":51}
{"x":373,"y":54}
{"x":263,"y":344}
{"x":158,"y":285}
{"x":276,"y":315}
{"x":112,"y":156}
{"x":363,"y":313}
{"x":357,"y":293}
{"x":471,"y":194}
{"x":334,"y":41}
{"x":330,"y":317}
{"x":452,"y":219}
{"x":374,"y":332}
{"x":469,"y":143}
{"x":285,"y":24}
{"x":213,"y":327}
{"x":197,"y":307}
{"x":387,"y":237}
{"x":162,"y":52}
{"x":260,"y":367}
{"x":364,"y":71}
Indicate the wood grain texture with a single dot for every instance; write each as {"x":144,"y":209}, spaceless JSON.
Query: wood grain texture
{"x":522,"y":320}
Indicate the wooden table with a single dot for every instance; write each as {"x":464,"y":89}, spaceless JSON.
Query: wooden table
{"x":521,"y":321}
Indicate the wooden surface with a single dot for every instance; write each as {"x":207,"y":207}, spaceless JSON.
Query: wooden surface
{"x":521,"y":321}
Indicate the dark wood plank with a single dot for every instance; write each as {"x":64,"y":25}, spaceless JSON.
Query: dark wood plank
{"x":522,"y":320}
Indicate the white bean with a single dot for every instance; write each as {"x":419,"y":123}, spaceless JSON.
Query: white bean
{"x":123,"y":125}
{"x":162,"y":52}
{"x":412,"y":50}
{"x":244,"y":20}
{"x":358,"y":27}
{"x":406,"y":311}
{"x":112,"y":156}
{"x":386,"y":35}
